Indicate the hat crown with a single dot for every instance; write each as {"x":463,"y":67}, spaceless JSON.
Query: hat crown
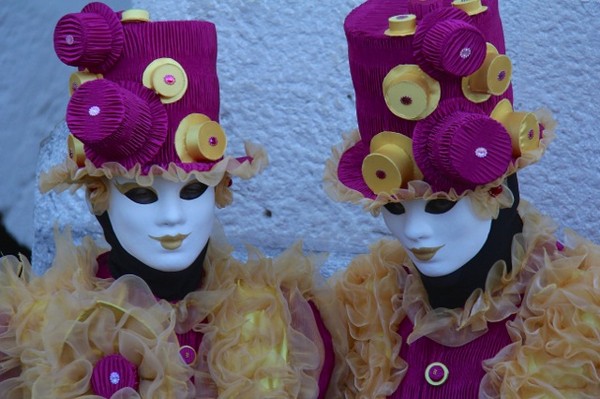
{"x":142,"y":80}
{"x":437,"y":86}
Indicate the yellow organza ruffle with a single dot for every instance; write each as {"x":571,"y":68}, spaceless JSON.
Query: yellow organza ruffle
{"x":69,"y":175}
{"x":486,"y":205}
{"x":67,"y":320}
{"x":557,"y":348}
{"x":379,"y":289}
{"x":260,"y":337}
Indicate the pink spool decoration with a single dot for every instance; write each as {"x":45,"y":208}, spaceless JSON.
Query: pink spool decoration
{"x":113,"y":373}
{"x":447,"y":43}
{"x":460,"y":147}
{"x":116,"y":124}
{"x":91,"y":39}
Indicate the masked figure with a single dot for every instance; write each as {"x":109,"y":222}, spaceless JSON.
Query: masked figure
{"x":166,"y":312}
{"x":476,"y":298}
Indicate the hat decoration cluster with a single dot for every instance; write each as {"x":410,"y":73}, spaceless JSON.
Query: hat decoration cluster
{"x":441,"y":109}
{"x":130,"y":110}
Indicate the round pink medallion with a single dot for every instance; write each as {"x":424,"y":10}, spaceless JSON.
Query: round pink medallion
{"x":188,"y":354}
{"x":436,"y":373}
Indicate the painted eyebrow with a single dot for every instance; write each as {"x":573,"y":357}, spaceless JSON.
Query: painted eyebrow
{"x":125,"y":187}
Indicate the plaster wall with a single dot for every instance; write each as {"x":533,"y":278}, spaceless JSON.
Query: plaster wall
{"x":285,"y":84}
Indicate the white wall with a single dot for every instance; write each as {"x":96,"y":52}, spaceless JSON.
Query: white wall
{"x":33,"y":97}
{"x":285,"y":83}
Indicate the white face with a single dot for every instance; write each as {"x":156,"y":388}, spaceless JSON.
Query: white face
{"x":440,"y":236}
{"x":165,"y":226}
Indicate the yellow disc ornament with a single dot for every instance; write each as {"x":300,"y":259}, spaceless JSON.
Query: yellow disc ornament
{"x":523,"y":127}
{"x":402,"y":25}
{"x":471,"y":7}
{"x":492,"y":78}
{"x":167,"y":78}
{"x":199,"y":139}
{"x":76,"y":150}
{"x":390,"y":165}
{"x":135,"y":15}
{"x":79,"y":78}
{"x":410,"y":93}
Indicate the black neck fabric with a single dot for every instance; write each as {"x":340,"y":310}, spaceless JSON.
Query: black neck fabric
{"x":171,"y":286}
{"x":452,"y":291}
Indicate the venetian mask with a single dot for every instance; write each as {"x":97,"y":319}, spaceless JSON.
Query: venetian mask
{"x":439,"y":235}
{"x":166,"y":225}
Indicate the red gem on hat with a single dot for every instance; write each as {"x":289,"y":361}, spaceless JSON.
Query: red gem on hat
{"x":496,"y":191}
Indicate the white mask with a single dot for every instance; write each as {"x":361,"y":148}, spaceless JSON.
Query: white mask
{"x":439,"y":238}
{"x":165,"y":226}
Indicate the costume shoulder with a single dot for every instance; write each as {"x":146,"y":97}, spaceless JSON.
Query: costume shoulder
{"x":68,"y":330}
{"x":557,"y":331}
{"x":370,"y":291}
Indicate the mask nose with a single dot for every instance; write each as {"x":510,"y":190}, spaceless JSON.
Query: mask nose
{"x":171,"y":211}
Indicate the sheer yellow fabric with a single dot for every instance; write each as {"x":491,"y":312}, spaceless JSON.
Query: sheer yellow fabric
{"x":260,"y":338}
{"x":69,"y":175}
{"x":556,"y":353}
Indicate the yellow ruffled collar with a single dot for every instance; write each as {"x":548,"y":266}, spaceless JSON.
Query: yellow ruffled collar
{"x":377,"y":295}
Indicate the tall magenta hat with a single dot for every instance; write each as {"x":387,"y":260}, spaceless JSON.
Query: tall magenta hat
{"x":144,"y":100}
{"x":433,"y":103}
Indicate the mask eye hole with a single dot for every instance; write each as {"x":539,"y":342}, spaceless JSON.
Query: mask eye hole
{"x":439,"y":206}
{"x":192,"y":190}
{"x":395,"y":208}
{"x":142,"y":195}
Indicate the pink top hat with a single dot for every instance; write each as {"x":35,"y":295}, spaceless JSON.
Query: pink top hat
{"x":433,"y":72}
{"x":145,"y":97}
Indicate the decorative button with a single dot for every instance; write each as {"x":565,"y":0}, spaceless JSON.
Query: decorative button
{"x":471,"y":7}
{"x":436,"y":373}
{"x":167,"y":78}
{"x":76,"y":150}
{"x":79,"y":78}
{"x":492,"y":78}
{"x":188,"y":354}
{"x":410,"y":93}
{"x":481,"y":152}
{"x":114,"y":378}
{"x":523,"y":127}
{"x":135,"y":15}
{"x":94,"y":110}
{"x":390,"y":164}
{"x":113,"y":373}
{"x":198,"y":139}
{"x":402,"y":25}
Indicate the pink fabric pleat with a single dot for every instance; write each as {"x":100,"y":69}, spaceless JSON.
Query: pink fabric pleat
{"x":113,"y":373}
